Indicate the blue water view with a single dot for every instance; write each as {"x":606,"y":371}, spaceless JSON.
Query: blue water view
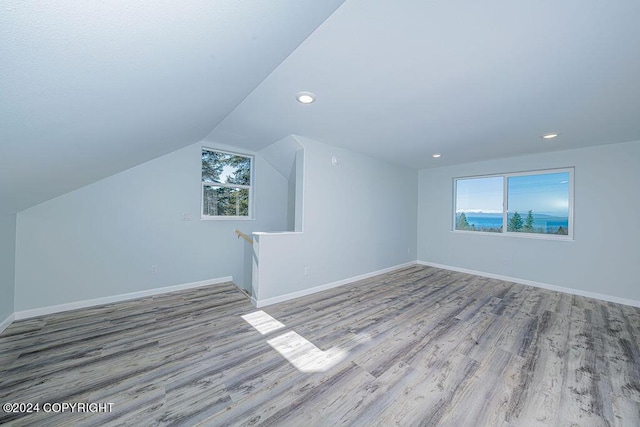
{"x":541,"y":223}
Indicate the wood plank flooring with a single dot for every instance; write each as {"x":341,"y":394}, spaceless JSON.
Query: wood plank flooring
{"x":417,"y":347}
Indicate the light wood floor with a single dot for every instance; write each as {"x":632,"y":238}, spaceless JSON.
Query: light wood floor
{"x":420,"y":346}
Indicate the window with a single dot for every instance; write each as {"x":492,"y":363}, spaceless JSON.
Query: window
{"x":226,"y":185}
{"x":535,"y":204}
{"x":479,"y":204}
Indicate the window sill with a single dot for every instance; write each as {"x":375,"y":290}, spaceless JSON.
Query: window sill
{"x":518,"y":235}
{"x":226,"y":218}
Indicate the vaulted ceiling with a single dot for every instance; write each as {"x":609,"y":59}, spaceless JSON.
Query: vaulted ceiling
{"x":90,"y":88}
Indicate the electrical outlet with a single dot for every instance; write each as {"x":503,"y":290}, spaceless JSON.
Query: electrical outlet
{"x":306,"y":271}
{"x":154,"y":269}
{"x":186,"y":216}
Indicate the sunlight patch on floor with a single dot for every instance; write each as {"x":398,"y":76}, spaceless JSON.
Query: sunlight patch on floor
{"x":301,"y":353}
{"x":262,"y":322}
{"x":305,"y":356}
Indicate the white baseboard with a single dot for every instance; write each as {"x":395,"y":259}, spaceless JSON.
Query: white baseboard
{"x":526,"y":282}
{"x":286,"y":297}
{"x":6,"y":322}
{"x":26,"y":314}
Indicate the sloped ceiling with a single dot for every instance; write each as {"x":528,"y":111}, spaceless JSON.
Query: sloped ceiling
{"x":89,"y":88}
{"x":470,"y":80}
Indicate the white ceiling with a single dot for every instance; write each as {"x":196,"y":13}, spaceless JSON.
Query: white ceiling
{"x":471,"y":80}
{"x":89,"y":88}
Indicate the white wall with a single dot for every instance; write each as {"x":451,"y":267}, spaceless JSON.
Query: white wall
{"x":283,"y":155}
{"x":604,"y":258}
{"x":7,"y":265}
{"x":359,"y":217}
{"x":103,"y":239}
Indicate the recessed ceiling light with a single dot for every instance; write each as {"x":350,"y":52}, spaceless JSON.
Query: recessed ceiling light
{"x":305,"y":97}
{"x":550,"y":135}
{"x":436,"y":156}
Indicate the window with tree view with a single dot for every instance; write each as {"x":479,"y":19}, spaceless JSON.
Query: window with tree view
{"x":531,"y":203}
{"x":226,"y":185}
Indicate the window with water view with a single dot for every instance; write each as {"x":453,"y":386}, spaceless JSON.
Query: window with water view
{"x":532,"y":203}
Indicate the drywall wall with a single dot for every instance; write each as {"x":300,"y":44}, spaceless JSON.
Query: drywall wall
{"x":603,"y":258}
{"x":138,"y":230}
{"x":7,"y":264}
{"x":297,"y":191}
{"x":283,"y":156}
{"x":359,"y":217}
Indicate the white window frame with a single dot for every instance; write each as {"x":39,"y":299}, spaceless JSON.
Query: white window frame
{"x":505,"y":213}
{"x":204,"y":184}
